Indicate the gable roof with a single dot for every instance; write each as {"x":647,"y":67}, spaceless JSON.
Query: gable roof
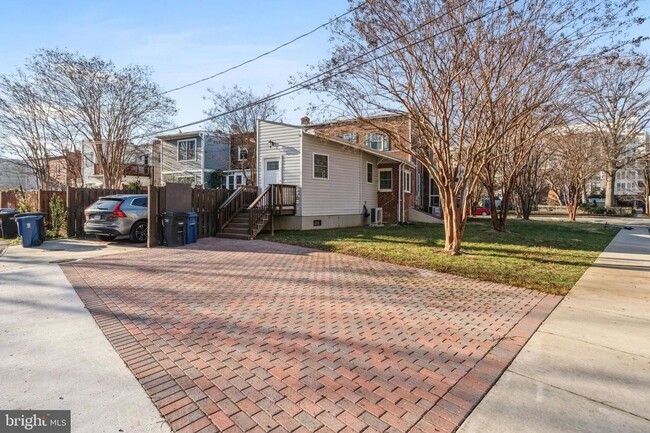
{"x":366,"y":149}
{"x":306,"y":130}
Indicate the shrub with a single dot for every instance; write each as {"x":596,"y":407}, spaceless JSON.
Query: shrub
{"x":58,"y":215}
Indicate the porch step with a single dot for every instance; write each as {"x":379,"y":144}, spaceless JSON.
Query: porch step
{"x":236,"y":230}
{"x":232,"y":236}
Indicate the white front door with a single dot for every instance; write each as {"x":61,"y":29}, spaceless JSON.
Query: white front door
{"x":272,"y":172}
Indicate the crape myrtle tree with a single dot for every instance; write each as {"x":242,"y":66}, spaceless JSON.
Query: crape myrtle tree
{"x":575,"y":158}
{"x":97,"y":103}
{"x":25,"y":125}
{"x":467,"y":74}
{"x":532,"y":177}
{"x":613,"y":99}
{"x":241,"y":123}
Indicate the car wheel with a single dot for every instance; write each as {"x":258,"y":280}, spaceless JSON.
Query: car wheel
{"x":139,"y":232}
{"x":484,"y":213}
{"x":105,"y":238}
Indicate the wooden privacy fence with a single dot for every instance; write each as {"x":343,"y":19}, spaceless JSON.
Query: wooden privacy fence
{"x":78,"y":199}
{"x":38,"y":201}
{"x":205,"y":202}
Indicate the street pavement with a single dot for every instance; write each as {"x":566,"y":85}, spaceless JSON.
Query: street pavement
{"x":587,"y":369}
{"x":53,"y":356}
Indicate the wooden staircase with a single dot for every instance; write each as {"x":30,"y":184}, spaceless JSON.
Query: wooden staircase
{"x":244,"y":216}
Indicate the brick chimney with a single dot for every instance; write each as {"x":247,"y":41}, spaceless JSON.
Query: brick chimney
{"x":304,"y":120}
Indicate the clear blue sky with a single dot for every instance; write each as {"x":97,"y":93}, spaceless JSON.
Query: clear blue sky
{"x":181,"y":40}
{"x":184,"y":40}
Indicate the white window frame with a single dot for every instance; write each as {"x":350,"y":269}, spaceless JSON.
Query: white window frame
{"x":239,"y":152}
{"x":372,"y":172}
{"x":384,"y":142}
{"x":188,"y":176}
{"x":351,"y":137}
{"x":313,"y":165}
{"x":379,"y":188}
{"x":178,"y":149}
{"x":407,"y":185}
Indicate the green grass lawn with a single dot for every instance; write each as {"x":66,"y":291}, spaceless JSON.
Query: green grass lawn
{"x":540,"y":255}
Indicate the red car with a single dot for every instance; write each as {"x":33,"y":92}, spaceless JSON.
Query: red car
{"x":482,"y":211}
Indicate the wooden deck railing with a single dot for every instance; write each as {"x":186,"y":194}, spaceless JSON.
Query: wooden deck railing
{"x":237,"y":202}
{"x":259,"y":211}
{"x":285,"y":199}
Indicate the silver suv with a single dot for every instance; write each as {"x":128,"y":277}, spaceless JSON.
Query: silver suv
{"x":118,"y":215}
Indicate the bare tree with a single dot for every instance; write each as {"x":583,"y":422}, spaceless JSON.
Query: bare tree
{"x":25,"y":125}
{"x":514,"y":160}
{"x":532,"y":177}
{"x":466,"y":73}
{"x":241,"y":123}
{"x":614,"y":100}
{"x":575,"y":159}
{"x":105,"y":106}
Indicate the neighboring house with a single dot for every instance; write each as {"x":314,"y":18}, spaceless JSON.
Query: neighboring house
{"x":137,"y":166}
{"x":64,"y":170}
{"x":368,"y":132}
{"x":242,"y":161}
{"x":192,"y":157}
{"x":15,"y":174}
{"x":338,"y":181}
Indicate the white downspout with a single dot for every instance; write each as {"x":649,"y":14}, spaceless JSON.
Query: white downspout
{"x":202,"y":135}
{"x":399,"y":194}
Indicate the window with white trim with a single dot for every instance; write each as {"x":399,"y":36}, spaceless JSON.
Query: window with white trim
{"x":407,"y":181}
{"x":321,"y":166}
{"x":385,"y":179}
{"x":350,"y":136}
{"x":377,"y":141}
{"x":242,"y":153}
{"x":369,"y":173}
{"x":187,"y":150}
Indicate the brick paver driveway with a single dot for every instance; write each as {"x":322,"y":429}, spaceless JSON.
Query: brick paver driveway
{"x":256,"y":336}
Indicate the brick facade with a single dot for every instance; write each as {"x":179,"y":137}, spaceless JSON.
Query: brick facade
{"x":389,"y":201}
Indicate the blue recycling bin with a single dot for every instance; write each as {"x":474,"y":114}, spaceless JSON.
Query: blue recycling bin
{"x":29,"y":229}
{"x":192,"y":233}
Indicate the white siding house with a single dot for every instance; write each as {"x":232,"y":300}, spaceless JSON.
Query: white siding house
{"x":337,"y":181}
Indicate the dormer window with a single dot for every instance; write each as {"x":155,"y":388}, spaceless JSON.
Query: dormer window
{"x":350,"y":136}
{"x":377,"y":141}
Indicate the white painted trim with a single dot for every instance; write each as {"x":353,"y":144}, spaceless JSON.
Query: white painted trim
{"x":280,"y":161}
{"x":177,"y":146}
{"x":379,"y":180}
{"x":313,"y":166}
{"x":407,"y":188}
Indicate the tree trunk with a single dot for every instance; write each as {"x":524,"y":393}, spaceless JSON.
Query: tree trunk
{"x":453,"y":227}
{"x":610,"y":182}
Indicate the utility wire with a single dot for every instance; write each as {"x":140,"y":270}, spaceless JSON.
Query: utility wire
{"x":337,"y":69}
{"x":297,"y":38}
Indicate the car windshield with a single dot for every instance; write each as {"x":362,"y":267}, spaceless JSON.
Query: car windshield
{"x":106,"y":203}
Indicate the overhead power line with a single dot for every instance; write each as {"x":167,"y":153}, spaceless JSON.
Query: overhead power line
{"x":239,"y":65}
{"x":337,"y":69}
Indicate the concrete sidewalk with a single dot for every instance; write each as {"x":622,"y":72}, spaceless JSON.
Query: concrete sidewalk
{"x":53,"y":356}
{"x":587,"y":369}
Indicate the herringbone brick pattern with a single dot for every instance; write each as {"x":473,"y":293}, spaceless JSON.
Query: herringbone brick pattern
{"x":255,"y":336}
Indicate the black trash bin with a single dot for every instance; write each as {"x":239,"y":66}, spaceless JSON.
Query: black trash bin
{"x":174,"y":225}
{"x":8,"y":226}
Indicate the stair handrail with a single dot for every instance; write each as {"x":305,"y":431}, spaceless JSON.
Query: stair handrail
{"x":258,"y":209}
{"x":233,"y":205}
